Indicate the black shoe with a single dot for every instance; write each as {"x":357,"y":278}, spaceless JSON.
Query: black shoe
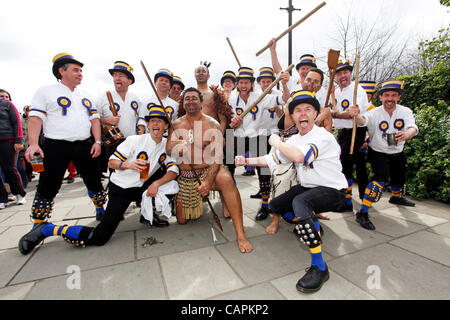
{"x":157,"y":222}
{"x":70,"y":180}
{"x":401,"y":201}
{"x":257,"y":195}
{"x":313,"y":280}
{"x":31,"y":239}
{"x":99,"y":216}
{"x":262,"y":214}
{"x":249,"y":173}
{"x":362,"y":217}
{"x":348,"y":208}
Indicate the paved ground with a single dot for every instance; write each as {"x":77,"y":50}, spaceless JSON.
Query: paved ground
{"x":407,"y":257}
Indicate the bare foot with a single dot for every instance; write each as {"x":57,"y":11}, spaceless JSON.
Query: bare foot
{"x":273,"y":227}
{"x":244,"y":245}
{"x":320,"y":216}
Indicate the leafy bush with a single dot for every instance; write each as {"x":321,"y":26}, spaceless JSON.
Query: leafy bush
{"x":428,"y":163}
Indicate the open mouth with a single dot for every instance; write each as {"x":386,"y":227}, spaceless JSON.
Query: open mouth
{"x":304,"y":123}
{"x":156,"y":131}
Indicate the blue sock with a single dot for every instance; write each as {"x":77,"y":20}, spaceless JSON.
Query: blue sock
{"x":48,"y":229}
{"x":348,"y":193}
{"x":316,"y":253}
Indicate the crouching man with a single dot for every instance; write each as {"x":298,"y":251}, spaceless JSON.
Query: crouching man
{"x":315,"y":153}
{"x":127,"y":185}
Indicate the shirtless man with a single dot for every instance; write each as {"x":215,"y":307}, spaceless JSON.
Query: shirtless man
{"x":195,"y":141}
{"x":221,"y":113}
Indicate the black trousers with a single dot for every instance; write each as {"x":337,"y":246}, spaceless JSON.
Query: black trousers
{"x":118,"y":201}
{"x":388,"y":167}
{"x":357,"y":159}
{"x":8,"y":163}
{"x":57,"y":155}
{"x":306,"y":202}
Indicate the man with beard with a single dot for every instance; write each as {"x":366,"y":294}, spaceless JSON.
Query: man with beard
{"x":321,"y":187}
{"x":214,"y":100}
{"x":343,"y":122}
{"x":125,"y":186}
{"x":196,"y":141}
{"x":389,"y":126}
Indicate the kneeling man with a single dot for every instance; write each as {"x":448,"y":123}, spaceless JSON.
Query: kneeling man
{"x":129,"y":160}
{"x":197,"y":142}
{"x":315,"y":154}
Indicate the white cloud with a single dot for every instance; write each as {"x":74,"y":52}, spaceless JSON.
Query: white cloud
{"x":173,"y":34}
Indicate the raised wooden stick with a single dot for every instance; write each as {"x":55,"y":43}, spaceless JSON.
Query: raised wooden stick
{"x":216,"y":217}
{"x":273,"y":84}
{"x":292,"y":27}
{"x":355,"y":95}
{"x":234,"y":53}
{"x":333,"y":57}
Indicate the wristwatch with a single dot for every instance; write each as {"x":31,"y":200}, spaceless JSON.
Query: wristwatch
{"x":99,"y":142}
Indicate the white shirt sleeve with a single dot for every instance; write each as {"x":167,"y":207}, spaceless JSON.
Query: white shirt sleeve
{"x":124,"y":150}
{"x":39,"y":105}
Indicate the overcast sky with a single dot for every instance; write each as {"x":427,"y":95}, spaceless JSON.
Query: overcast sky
{"x":177,"y":34}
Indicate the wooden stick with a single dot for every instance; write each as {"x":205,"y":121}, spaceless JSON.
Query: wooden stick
{"x":273,"y":84}
{"x":216,"y":217}
{"x":293,"y":26}
{"x":234,"y":53}
{"x":355,"y":95}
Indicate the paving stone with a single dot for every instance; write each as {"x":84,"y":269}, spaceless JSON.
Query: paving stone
{"x":433,"y":208}
{"x":410,"y":214}
{"x":17,"y":292}
{"x":11,"y":261}
{"x":427,"y":244}
{"x":402,"y":275}
{"x":10,"y":238}
{"x":336,"y":288}
{"x":388,"y":225}
{"x":79,"y":211}
{"x":22,"y":217}
{"x":140,"y":280}
{"x":342,"y":236}
{"x":198,"y":274}
{"x":442,"y":229}
{"x":177,"y":238}
{"x":58,"y":256}
{"x":272,"y":256}
{"x":263,"y":291}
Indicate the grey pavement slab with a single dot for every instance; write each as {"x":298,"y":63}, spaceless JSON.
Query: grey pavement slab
{"x":411,"y":214}
{"x":178,"y":238}
{"x":272,"y":257}
{"x":140,"y":280}
{"x":342,"y":236}
{"x":263,"y":291}
{"x":17,"y":292}
{"x":58,"y":256}
{"x":198,"y":274}
{"x":442,"y":229}
{"x":22,"y":217}
{"x":399,"y":273}
{"x":409,"y":247}
{"x":10,"y":237}
{"x":391,"y":226}
{"x":336,"y":288}
{"x":427,"y":244}
{"x":11,"y":262}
